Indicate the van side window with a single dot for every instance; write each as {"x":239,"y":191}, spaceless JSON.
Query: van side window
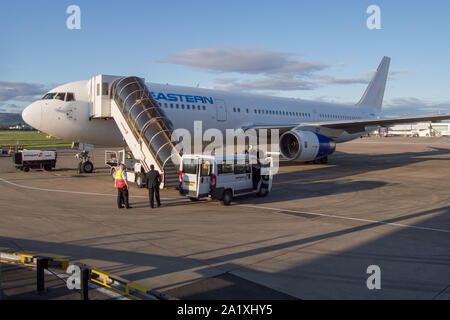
{"x":239,"y":168}
{"x":225,"y":168}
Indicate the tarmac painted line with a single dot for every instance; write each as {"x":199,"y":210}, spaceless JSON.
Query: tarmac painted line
{"x":243,"y":205}
{"x":73,"y":192}
{"x":348,"y":218}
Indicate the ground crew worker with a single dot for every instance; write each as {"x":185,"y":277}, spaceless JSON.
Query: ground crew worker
{"x":153,"y":182}
{"x":122,"y":188}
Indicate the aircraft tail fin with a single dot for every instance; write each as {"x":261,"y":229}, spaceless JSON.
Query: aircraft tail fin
{"x":372,"y":98}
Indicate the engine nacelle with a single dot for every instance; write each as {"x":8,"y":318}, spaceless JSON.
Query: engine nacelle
{"x":305,"y":145}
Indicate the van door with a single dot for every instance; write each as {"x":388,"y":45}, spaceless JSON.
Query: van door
{"x":189,"y":172}
{"x":243,"y":182}
{"x":204,"y":178}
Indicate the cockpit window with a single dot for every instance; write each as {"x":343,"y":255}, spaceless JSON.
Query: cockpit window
{"x":60,"y":96}
{"x":49,"y":96}
{"x":63,"y":96}
{"x":70,"y":97}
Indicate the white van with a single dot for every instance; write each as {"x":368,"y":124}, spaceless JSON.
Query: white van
{"x":222,"y":177}
{"x":135,"y":171}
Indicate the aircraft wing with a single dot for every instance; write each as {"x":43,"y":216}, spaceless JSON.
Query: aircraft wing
{"x":360,"y":125}
{"x":353,"y":126}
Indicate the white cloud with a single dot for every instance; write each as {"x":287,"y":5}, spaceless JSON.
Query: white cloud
{"x":268,"y":70}
{"x":20,"y":91}
{"x":408,"y":106}
{"x":334,"y":80}
{"x":11,"y":107}
{"x":245,"y":61}
{"x":225,"y":80}
{"x":266,"y":83}
{"x":274,"y":70}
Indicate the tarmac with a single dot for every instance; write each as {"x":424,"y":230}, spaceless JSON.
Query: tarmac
{"x":379,"y":201}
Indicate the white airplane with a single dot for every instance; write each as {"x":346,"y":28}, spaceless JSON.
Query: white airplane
{"x":77,"y":112}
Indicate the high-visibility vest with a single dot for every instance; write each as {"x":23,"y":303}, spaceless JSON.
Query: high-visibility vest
{"x":120,"y":181}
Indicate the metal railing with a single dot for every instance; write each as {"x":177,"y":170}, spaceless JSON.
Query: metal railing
{"x":144,"y":116}
{"x":88,"y":274}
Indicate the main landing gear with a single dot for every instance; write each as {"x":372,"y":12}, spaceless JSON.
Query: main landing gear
{"x":323,"y":160}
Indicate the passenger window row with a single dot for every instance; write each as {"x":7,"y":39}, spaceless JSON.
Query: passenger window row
{"x":299,"y":114}
{"x":277,"y":112}
{"x":182,"y":106}
{"x":338,"y":116}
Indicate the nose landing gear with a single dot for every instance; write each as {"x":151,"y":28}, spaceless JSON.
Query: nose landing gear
{"x":85,"y":165}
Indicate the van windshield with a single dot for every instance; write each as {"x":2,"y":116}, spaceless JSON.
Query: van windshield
{"x":190,"y":166}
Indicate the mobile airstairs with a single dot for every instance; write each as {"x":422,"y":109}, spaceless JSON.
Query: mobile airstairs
{"x":144,"y":125}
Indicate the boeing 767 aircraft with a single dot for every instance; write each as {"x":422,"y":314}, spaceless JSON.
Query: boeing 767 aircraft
{"x":309,"y":130}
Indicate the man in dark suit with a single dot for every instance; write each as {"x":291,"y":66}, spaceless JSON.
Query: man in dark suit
{"x":153,"y":182}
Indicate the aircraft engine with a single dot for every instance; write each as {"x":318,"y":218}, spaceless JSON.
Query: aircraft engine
{"x":305,"y":145}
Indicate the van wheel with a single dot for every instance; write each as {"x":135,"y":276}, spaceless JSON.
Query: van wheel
{"x":194,"y":199}
{"x":48,"y":167}
{"x":87,"y":167}
{"x":140,"y":180}
{"x":263,"y":191}
{"x":227,"y":197}
{"x":26,"y":169}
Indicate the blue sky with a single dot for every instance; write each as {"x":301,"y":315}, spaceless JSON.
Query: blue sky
{"x":319,"y":50}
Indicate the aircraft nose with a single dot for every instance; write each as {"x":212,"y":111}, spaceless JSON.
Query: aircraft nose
{"x":32,"y":115}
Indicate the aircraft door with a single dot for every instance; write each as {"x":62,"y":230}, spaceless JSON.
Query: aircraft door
{"x":221,"y":110}
{"x":314,"y":115}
